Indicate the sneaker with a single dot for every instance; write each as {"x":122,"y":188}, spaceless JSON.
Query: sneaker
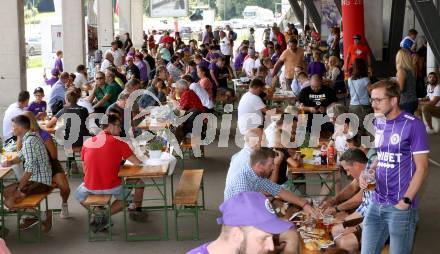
{"x":138,"y":216}
{"x":64,"y":211}
{"x":47,"y":224}
{"x":28,"y":222}
{"x":430,"y":131}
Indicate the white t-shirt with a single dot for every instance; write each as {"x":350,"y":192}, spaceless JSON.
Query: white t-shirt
{"x":431,"y":93}
{"x":249,"y":112}
{"x":225,"y":47}
{"x":203,"y":95}
{"x":105,"y":64}
{"x":270,"y":133}
{"x":80,"y":80}
{"x":86,"y":104}
{"x":12,"y":111}
{"x":248,"y":66}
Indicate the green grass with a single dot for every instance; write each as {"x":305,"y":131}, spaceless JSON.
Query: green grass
{"x":34,"y":62}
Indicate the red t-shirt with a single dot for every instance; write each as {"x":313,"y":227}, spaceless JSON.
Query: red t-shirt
{"x":357,"y":51}
{"x":190,"y":100}
{"x":102,"y":156}
{"x":266,"y":52}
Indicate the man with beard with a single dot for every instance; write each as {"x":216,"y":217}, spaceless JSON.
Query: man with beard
{"x":248,"y":223}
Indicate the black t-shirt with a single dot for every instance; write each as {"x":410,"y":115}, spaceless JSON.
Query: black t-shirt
{"x":150,"y":60}
{"x":82,"y":113}
{"x":324,"y":97}
{"x":133,"y":71}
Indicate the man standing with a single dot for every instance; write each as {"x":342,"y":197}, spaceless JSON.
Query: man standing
{"x":248,"y":224}
{"x":226,"y":48}
{"x":402,"y":149}
{"x":12,"y":111}
{"x":118,"y":55}
{"x":357,"y":50}
{"x":291,"y":57}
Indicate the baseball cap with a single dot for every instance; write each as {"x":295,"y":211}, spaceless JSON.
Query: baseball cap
{"x":38,"y":90}
{"x":252,"y":209}
{"x":357,"y":37}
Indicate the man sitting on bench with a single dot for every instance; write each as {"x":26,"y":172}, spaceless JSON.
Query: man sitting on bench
{"x":248,"y":224}
{"x":102,"y":156}
{"x":37,"y":177}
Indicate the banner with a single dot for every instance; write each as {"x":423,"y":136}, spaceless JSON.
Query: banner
{"x":168,"y":8}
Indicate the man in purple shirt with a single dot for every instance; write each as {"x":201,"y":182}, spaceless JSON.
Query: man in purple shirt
{"x":200,"y":61}
{"x":248,"y":223}
{"x":239,"y":59}
{"x":402,"y":166}
{"x":58,"y":62}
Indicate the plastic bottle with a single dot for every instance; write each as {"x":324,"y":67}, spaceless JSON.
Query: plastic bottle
{"x":323,"y":155}
{"x":331,"y":153}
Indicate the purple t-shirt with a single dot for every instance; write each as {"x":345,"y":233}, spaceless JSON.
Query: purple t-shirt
{"x":52,"y":81}
{"x":204,"y":63}
{"x":44,"y":135}
{"x":203,"y":249}
{"x":58,"y":65}
{"x":316,"y":68}
{"x":239,"y":59}
{"x":396,"y":142}
{"x":36,"y":107}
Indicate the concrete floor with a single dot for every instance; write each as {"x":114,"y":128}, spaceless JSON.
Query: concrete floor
{"x":70,"y":236}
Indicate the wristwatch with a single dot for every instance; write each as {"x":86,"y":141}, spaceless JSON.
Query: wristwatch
{"x":407,"y":200}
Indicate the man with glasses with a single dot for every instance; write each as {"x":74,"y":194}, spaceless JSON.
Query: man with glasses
{"x":105,"y":94}
{"x":402,"y":166}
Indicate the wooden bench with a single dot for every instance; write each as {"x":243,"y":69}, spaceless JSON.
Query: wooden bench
{"x":32,"y":202}
{"x":93,"y":203}
{"x":186,"y":198}
{"x":187,"y":151}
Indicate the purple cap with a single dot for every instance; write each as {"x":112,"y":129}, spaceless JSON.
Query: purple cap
{"x":252,"y":209}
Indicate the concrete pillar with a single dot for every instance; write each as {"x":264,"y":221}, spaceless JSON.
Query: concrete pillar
{"x":12,"y":51}
{"x":124,"y":16}
{"x":105,"y":24}
{"x":73,"y":34}
{"x":373,"y":13}
{"x":431,"y":63}
{"x":137,"y":22}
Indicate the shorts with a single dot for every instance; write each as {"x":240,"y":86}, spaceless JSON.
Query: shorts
{"x":56,"y":167}
{"x":32,"y":187}
{"x":82,"y":192}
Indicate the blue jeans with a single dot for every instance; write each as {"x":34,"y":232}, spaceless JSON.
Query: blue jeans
{"x":383,"y":221}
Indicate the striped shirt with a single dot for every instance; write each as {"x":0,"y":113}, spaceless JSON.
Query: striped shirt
{"x":242,"y":178}
{"x":36,"y":160}
{"x":396,"y":142}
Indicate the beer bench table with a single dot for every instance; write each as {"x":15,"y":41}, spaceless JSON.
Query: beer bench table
{"x":306,"y":169}
{"x":153,"y":176}
{"x":3,"y":172}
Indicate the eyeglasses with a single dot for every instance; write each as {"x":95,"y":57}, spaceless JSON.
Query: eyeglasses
{"x":97,"y":78}
{"x":378,"y":100}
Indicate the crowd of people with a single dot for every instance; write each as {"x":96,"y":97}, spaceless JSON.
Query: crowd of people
{"x":194,"y":78}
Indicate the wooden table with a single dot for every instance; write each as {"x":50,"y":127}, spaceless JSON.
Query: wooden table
{"x":3,"y":172}
{"x":312,"y":169}
{"x":283,"y":98}
{"x":157,"y":175}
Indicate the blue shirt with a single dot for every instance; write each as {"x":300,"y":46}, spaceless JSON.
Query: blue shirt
{"x":296,"y":87}
{"x":358,"y":91}
{"x":242,"y":178}
{"x":58,"y":92}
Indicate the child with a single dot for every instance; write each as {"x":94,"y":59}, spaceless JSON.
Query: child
{"x":38,"y":106}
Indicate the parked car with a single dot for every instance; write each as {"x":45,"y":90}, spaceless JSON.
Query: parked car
{"x":186,"y":33}
{"x":33,"y":46}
